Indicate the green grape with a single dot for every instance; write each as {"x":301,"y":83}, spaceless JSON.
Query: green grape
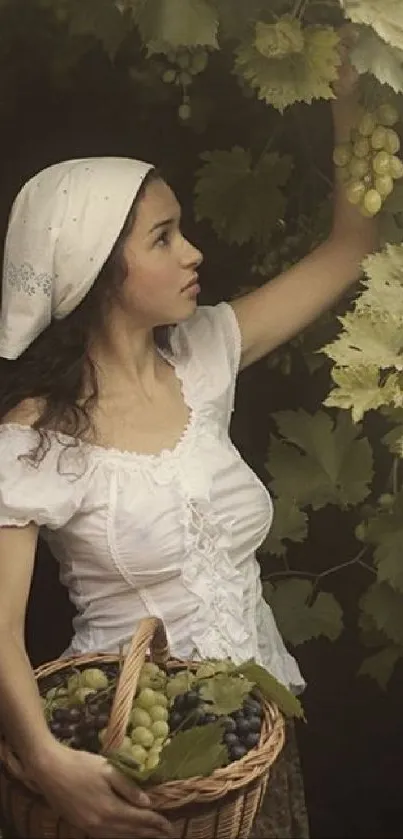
{"x":185,"y":79}
{"x":184,"y":112}
{"x":169,"y":76}
{"x":142,"y":736}
{"x":160,"y":728}
{"x":152,"y":761}
{"x":386,"y":500}
{"x":158,"y":744}
{"x":147,"y":698}
{"x":93,"y":677}
{"x":387,"y":114}
{"x":342,"y":154}
{"x":139,"y":716}
{"x":384,"y":185}
{"x":157,"y":712}
{"x":126,"y":746}
{"x":392,"y":141}
{"x":184,"y":60}
{"x":355,"y":191}
{"x":361,"y":147}
{"x":366,"y":125}
{"x":360,"y":531}
{"x":372,"y":202}
{"x":73,"y":682}
{"x":81,"y":694}
{"x":381,"y":163}
{"x":395,"y":167}
{"x":138,"y":753}
{"x":151,"y":668}
{"x":358,"y":167}
{"x":378,"y":138}
{"x":199,"y":61}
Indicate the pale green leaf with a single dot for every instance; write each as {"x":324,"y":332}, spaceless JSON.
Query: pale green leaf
{"x":372,"y":55}
{"x":177,"y":23}
{"x":225,"y":693}
{"x":272,"y":690}
{"x":385,"y":605}
{"x":299,"y":76}
{"x":381,"y":665}
{"x":298,"y":619}
{"x":242,"y":200}
{"x":383,"y":284}
{"x":368,"y":337}
{"x":197,"y":751}
{"x":385,"y":16}
{"x":358,"y":389}
{"x":322,"y":462}
{"x":280,"y":39}
{"x":289,"y":523}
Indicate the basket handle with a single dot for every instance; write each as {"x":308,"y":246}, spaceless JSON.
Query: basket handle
{"x":150,"y":635}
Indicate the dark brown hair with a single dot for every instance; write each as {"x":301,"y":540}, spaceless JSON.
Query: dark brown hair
{"x":56,"y":369}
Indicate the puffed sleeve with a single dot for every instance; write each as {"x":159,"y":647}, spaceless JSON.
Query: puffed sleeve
{"x":212,"y":340}
{"x":48,"y":493}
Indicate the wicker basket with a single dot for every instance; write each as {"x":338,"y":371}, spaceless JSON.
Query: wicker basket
{"x":222,"y":806}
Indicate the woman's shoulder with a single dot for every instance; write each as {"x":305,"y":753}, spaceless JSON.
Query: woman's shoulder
{"x":25,"y":413}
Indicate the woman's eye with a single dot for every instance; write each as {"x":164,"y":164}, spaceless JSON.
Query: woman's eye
{"x":163,"y":239}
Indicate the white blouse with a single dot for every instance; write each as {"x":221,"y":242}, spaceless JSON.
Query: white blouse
{"x":172,"y":534}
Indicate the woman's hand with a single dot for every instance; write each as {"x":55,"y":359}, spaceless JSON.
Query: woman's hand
{"x":98,"y":799}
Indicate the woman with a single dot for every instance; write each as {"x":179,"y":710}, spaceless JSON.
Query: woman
{"x":114,"y":442}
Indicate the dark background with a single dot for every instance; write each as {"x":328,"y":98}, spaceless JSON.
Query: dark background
{"x":351,"y":746}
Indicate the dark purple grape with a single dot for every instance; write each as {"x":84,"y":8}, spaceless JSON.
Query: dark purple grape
{"x":68,"y":730}
{"x":192,"y":699}
{"x":238,"y":751}
{"x":175,"y":719}
{"x":253,"y":706}
{"x":56,"y":727}
{"x":231,"y":739}
{"x":251,"y":740}
{"x":62,"y":714}
{"x":101,"y":721}
{"x":75,"y":742}
{"x":255,"y":724}
{"x":229,"y":723}
{"x":209,"y":718}
{"x":238,"y":715}
{"x":242,"y":727}
{"x":74,"y":715}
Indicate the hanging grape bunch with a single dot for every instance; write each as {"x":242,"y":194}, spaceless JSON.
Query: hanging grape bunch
{"x":166,"y":707}
{"x":184,"y":65}
{"x":369,"y":162}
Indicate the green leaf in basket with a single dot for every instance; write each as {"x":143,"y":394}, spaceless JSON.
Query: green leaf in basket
{"x":225,"y":693}
{"x":272,"y":690}
{"x":197,"y":751}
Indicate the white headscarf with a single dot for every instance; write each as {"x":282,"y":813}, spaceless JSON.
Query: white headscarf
{"x":63,"y":226}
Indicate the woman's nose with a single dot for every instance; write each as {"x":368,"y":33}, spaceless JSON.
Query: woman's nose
{"x":193,"y":257}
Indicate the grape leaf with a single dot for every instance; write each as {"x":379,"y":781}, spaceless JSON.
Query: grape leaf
{"x":289,"y":523}
{"x":371,"y":54}
{"x":322,"y":462}
{"x":368,"y":337}
{"x":385,"y":605}
{"x":272,"y":690}
{"x":197,"y":751}
{"x":381,"y":665}
{"x":225,"y":693}
{"x":383,"y":282}
{"x":298,"y":619}
{"x":278,"y":40}
{"x":242,"y":201}
{"x":358,"y":389}
{"x":385,"y":16}
{"x":385,"y":531}
{"x":165,"y":24}
{"x":299,"y":76}
{"x":99,"y":18}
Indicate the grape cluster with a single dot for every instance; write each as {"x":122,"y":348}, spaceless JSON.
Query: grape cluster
{"x":76,"y":713}
{"x":184,"y":65}
{"x":368,"y":163}
{"x":241,"y":728}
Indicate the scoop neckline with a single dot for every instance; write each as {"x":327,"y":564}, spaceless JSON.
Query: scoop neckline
{"x":113,"y":451}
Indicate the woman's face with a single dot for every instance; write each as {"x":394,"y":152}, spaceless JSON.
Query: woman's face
{"x":161,"y":286}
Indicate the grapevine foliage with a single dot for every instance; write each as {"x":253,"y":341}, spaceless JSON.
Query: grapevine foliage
{"x":278,"y":56}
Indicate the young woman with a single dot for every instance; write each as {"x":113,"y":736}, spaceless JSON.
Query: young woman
{"x":116,"y":400}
